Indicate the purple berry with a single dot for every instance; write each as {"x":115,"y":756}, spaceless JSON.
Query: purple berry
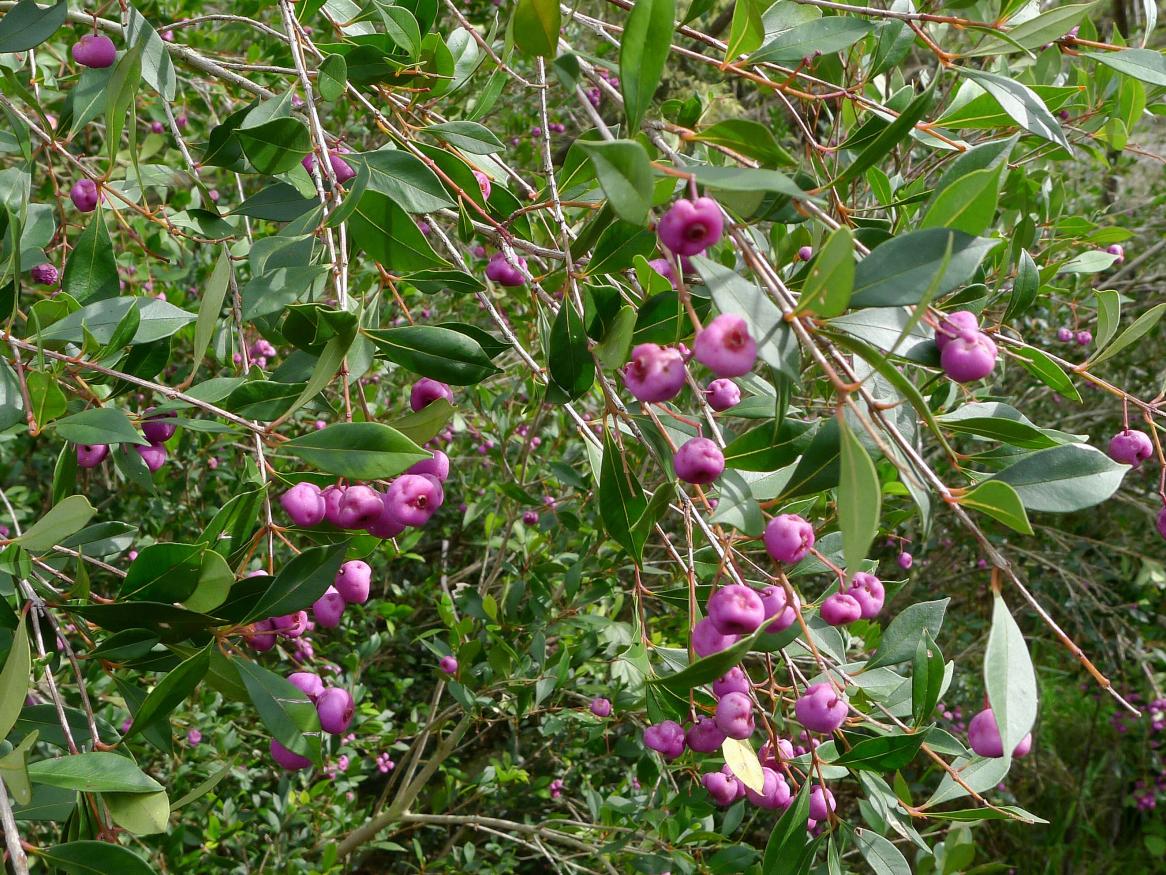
{"x":779,"y":608}
{"x":788,"y":538}
{"x":905,"y":560}
{"x":691,"y":227}
{"x":654,"y":372}
{"x":260,"y":636}
{"x":413,"y":498}
{"x":91,"y":455}
{"x":1064,"y":334}
{"x":723,"y":788}
{"x":951,"y":325}
{"x":707,"y":640}
{"x":352,"y":581}
{"x":85,"y":195}
{"x":868,"y":591}
{"x":333,"y":496}
{"x":734,"y":715}
{"x":805,"y":253}
{"x":328,"y":608}
{"x":984,"y":737}
{"x":504,"y":273}
{"x":483,"y":183}
{"x":45,"y":274}
{"x":160,"y":427}
{"x":1131,"y":447}
{"x":775,"y":793}
{"x":287,"y":759}
{"x":336,"y":708}
{"x":530,"y":518}
{"x":308,"y":683}
{"x":821,"y":802}
{"x":722,"y":394}
{"x":154,"y":455}
{"x":666,"y":738}
{"x":968,"y":357}
{"x":601,"y":707}
{"x":733,"y":681}
{"x":725,"y":347}
{"x":304,"y":504}
{"x":821,"y":708}
{"x":1083,"y":338}
{"x":94,"y":50}
{"x":699,"y":461}
{"x":1118,"y":250}
{"x":839,"y":609}
{"x":386,"y":525}
{"x":448,"y":664}
{"x":341,"y":169}
{"x":785,"y":753}
{"x":704,"y":736}
{"x":438,"y":466}
{"x":736,"y":610}
{"x":425,"y":391}
{"x":360,"y":507}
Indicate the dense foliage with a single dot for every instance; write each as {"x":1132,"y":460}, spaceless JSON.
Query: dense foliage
{"x":714,"y":436}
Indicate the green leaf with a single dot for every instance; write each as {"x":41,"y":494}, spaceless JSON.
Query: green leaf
{"x":1021,"y":104}
{"x":14,"y":680}
{"x":422,"y":425}
{"x":388,"y":235}
{"x":157,"y":319}
{"x":902,"y":636}
{"x":612,"y":350}
{"x":749,"y":138}
{"x":14,"y":767}
{"x":123,"y":89}
{"x":882,"y":856}
{"x":1144,"y":64}
{"x":709,"y":668}
{"x":747,"y":30}
{"x":210,"y":306}
{"x":435,"y":352}
{"x":621,"y":500}
{"x":1009,"y":678}
{"x":470,"y":137}
{"x":889,"y":137}
{"x":1108,"y":317}
{"x":276,"y":203}
{"x":968,"y":204}
{"x":569,"y":360}
{"x":829,"y":283}
{"x":1141,"y":326}
{"x":820,"y":36}
{"x":284,"y":709}
{"x":927,"y":673}
{"x":1001,"y":502}
{"x":299,"y":583}
{"x":1024,"y":287}
{"x":93,"y":772}
{"x":140,"y":813}
{"x":899,"y":271}
{"x":747,"y":179}
{"x":1065,"y":478}
{"x":979,"y":773}
{"x":215,"y":579}
{"x":406,"y":180}
{"x":332,"y":77}
{"x":163,"y":572}
{"x":859,"y":497}
{"x":882,"y":753}
{"x":536,"y":27}
{"x":736,"y":505}
{"x":625,"y":173}
{"x":1035,"y":32}
{"x":205,"y":787}
{"x":357,"y":450}
{"x":618,"y":246}
{"x":27,"y":25}
{"x":760,"y":449}
{"x":275,"y":146}
{"x":157,"y":68}
{"x":99,"y":425}
{"x":820,"y":465}
{"x":643,"y":52}
{"x":789,"y":850}
{"x":1048,"y":372}
{"x":95,"y":858}
{"x":91,"y":272}
{"x":63,"y":519}
{"x":172,"y":690}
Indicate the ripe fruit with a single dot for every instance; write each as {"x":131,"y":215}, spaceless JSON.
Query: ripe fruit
{"x":722,"y":787}
{"x":1064,"y":334}
{"x":530,"y":518}
{"x":778,"y":606}
{"x":601,"y":707}
{"x":304,"y":503}
{"x":725,"y":347}
{"x":1083,"y":338}
{"x":335,"y":707}
{"x":94,"y":50}
{"x":290,"y":625}
{"x":821,"y":803}
{"x":45,"y":274}
{"x":360,"y":507}
{"x":666,"y":738}
{"x":691,"y":226}
{"x":663,"y":266}
{"x":951,"y":325}
{"x":91,"y":455}
{"x":287,"y":759}
{"x":984,"y":737}
{"x":722,"y":395}
{"x":425,"y":391}
{"x":734,"y":715}
{"x":260,"y":636}
{"x":504,"y":273}
{"x":352,"y":581}
{"x":1130,"y":447}
{"x":341,"y":169}
{"x":805,"y":253}
{"x":821,"y":708}
{"x":483,"y":183}
{"x":788,"y":538}
{"x":448,"y":664}
{"x":785,"y":753}
{"x":438,"y":466}
{"x":332,"y":496}
{"x":775,"y":792}
{"x":736,"y":610}
{"x":1118,"y":250}
{"x":733,"y":681}
{"x":307,"y":682}
{"x":699,"y":460}
{"x":154,"y":455}
{"x":706,"y":639}
{"x":704,"y":736}
{"x":654,"y":372}
{"x":386,"y":525}
{"x":413,"y":498}
{"x":328,"y":608}
{"x":85,"y":195}
{"x":905,"y":560}
{"x":159,"y":428}
{"x":868,"y":591}
{"x":839,"y":609}
{"x":968,"y":357}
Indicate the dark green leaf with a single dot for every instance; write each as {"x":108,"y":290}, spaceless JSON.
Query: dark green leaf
{"x":357,"y":450}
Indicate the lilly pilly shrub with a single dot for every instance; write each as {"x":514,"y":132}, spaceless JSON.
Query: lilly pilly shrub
{"x":426,"y":401}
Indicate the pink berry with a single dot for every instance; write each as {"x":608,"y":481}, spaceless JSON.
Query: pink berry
{"x":352,"y":581}
{"x":159,"y":428}
{"x":328,"y":608}
{"x":425,"y":391}
{"x":308,"y":683}
{"x":725,"y":347}
{"x":968,"y":357}
{"x":530,"y":518}
{"x":45,"y":274}
{"x":333,"y":496}
{"x":905,"y":560}
{"x":822,"y":802}
{"x":691,"y":227}
{"x":287,"y":759}
{"x":601,"y":707}
{"x":805,"y":253}
{"x":438,"y":466}
{"x":654,"y":373}
{"x":736,"y":610}
{"x":839,"y":609}
{"x":336,"y":708}
{"x":734,"y":715}
{"x":722,"y":395}
{"x":91,"y":455}
{"x":785,"y":753}
{"x":1064,"y":334}
{"x":733,"y":681}
{"x":290,"y":625}
{"x":869,"y":592}
{"x":483,"y":183}
{"x":154,"y":455}
{"x":704,"y":736}
{"x":413,"y":498}
{"x":94,"y":50}
{"x":666,"y":738}
{"x":85,"y":195}
{"x":260,"y":636}
{"x":788,"y":538}
{"x":984,"y":737}
{"x":304,"y":504}
{"x":1131,"y":447}
{"x":950,"y":327}
{"x":447,"y":664}
{"x":360,"y":507}
{"x":1083,"y":338}
{"x":698,"y":461}
{"x":663,"y":266}
{"x":707,"y":640}
{"x":504,"y":273}
{"x":721,"y":787}
{"x":775,"y":793}
{"x":821,"y":708}
{"x":779,"y":608}
{"x":1118,"y":250}
{"x":386,"y":525}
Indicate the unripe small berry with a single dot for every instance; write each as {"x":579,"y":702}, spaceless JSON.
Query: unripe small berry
{"x":721,"y":787}
{"x":154,"y":455}
{"x":822,"y":803}
{"x":483,"y":183}
{"x":386,"y":525}
{"x":360,"y":507}
{"x":788,"y":538}
{"x":160,"y":427}
{"x":905,"y":560}
{"x":530,"y":518}
{"x":438,"y":466}
{"x":333,"y":496}
{"x":335,"y":709}
{"x":952,"y":324}
{"x":869,"y":592}
{"x":425,"y":391}
{"x":805,"y":253}
{"x":968,"y":357}
{"x":260,"y":636}
{"x":45,"y":274}
{"x":1118,"y":250}
{"x":699,"y":460}
{"x":413,"y":498}
{"x":1064,"y":334}
{"x":501,"y":271}
{"x":1084,"y":338}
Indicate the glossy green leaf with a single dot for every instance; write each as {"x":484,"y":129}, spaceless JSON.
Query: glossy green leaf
{"x":1021,"y":104}
{"x":435,"y":352}
{"x":899,"y":271}
{"x":284,"y":709}
{"x":332,"y":77}
{"x":275,"y":146}
{"x":26,"y":25}
{"x":63,"y":519}
{"x":830,"y":280}
{"x":625,"y":172}
{"x":14,"y":679}
{"x":1065,"y":478}
{"x":93,"y":772}
{"x":536,"y":27}
{"x":859,"y":497}
{"x":91,"y":272}
{"x":643,"y":52}
{"x":95,"y":858}
{"x":357,"y":450}
{"x":569,"y":360}
{"x":299,"y":583}
{"x":902,"y":636}
{"x":1009,"y":678}
{"x":1001,"y":502}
